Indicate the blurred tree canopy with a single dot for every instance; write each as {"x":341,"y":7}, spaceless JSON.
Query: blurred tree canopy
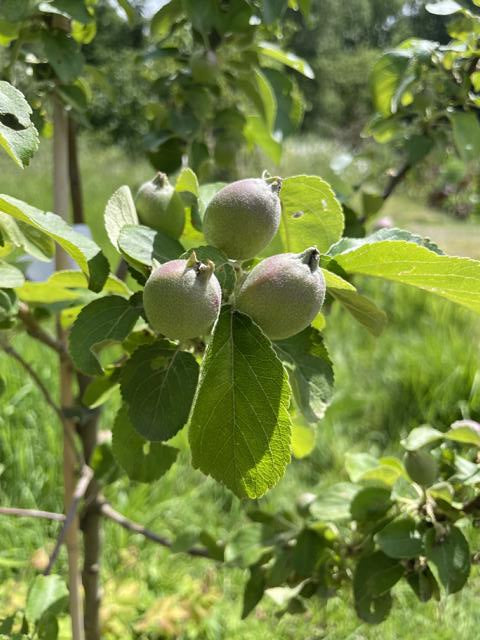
{"x":116,"y":109}
{"x":341,"y":41}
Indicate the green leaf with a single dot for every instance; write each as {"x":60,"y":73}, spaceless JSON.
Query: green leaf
{"x":31,"y":240}
{"x":290,"y":104}
{"x":311,"y":215}
{"x":347,"y":244}
{"x":258,"y":89}
{"x":240,"y":428}
{"x":356,"y":464}
{"x":273,"y":10}
{"x":187,"y":181}
{"x":163,"y":21}
{"x":18,"y":135}
{"x":254,"y":590}
{"x":256,"y":132}
{"x":100,"y":389}
{"x":80,"y":248}
{"x":456,"y":279}
{"x":245,"y":547}
{"x":385,"y":79}
{"x":443,"y":7}
{"x":158,"y":384}
{"x":129,"y":9}
{"x":400,"y":539}
{"x":206,"y":193}
{"x":450,"y":555}
{"x":375,"y":575}
{"x":306,"y":552}
{"x":423,"y":584}
{"x":466,"y":134}
{"x":303,"y":441}
{"x":47,"y":594}
{"x":334,"y":281}
{"x":3,"y":385}
{"x":420,"y":437}
{"x":106,"y":320}
{"x":387,"y":472}
{"x":67,"y":285}
{"x":310,"y":371}
{"x":15,"y":10}
{"x":334,"y":503}
{"x":8,"y":32}
{"x":10,"y":276}
{"x":63,"y":54}
{"x":203,"y":15}
{"x":73,"y":8}
{"x":142,"y":461}
{"x":141,"y":245}
{"x":370,"y":503}
{"x":464,"y":431}
{"x":120,"y":211}
{"x":362,"y":309}
{"x":286,"y":57}
{"x":48,"y":628}
{"x":8,"y":308}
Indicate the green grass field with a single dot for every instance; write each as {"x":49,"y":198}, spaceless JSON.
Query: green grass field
{"x":424,"y":368}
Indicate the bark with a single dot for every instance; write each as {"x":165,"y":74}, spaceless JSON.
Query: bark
{"x":61,"y":202}
{"x":91,"y":528}
{"x":74,"y":173}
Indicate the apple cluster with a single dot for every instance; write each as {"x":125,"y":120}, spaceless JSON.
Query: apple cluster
{"x":182,"y":298}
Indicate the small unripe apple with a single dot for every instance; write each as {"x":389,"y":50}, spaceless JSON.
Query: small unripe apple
{"x":422,"y":467}
{"x":284,"y":293}
{"x":160,"y":207}
{"x":182,"y":298}
{"x":204,"y":67}
{"x":242,"y":218}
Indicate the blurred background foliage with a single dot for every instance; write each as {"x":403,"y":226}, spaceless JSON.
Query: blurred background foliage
{"x":424,"y":368}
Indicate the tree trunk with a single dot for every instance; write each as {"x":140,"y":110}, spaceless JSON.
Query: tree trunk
{"x":74,"y":173}
{"x":61,"y":202}
{"x":91,"y":527}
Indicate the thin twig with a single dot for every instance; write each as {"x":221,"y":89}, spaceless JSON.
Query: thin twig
{"x":31,"y":513}
{"x":82,"y":485}
{"x":35,"y":330}
{"x":395,"y":179}
{"x":109,"y":512}
{"x":11,"y":351}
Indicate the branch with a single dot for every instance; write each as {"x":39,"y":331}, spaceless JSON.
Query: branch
{"x":109,"y":512}
{"x":82,"y":485}
{"x":35,"y":377}
{"x":395,"y":178}
{"x":31,"y":513}
{"x":35,"y":330}
{"x":46,"y":394}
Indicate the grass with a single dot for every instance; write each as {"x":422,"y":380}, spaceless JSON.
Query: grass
{"x":424,"y":368}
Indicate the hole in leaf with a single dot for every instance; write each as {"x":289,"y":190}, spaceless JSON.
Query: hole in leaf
{"x":11,"y":121}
